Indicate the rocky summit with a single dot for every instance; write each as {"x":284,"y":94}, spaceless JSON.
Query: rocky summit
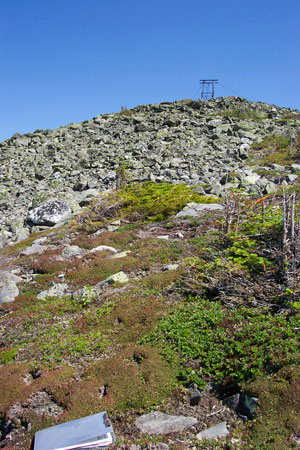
{"x":200,"y":143}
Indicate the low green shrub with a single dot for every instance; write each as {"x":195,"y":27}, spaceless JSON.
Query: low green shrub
{"x":224,"y":345}
{"x":240,"y":253}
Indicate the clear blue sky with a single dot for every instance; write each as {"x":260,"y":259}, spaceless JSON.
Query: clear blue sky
{"x":66,"y":61}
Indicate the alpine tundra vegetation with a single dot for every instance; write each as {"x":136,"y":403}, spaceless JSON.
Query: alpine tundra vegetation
{"x":149,"y":267}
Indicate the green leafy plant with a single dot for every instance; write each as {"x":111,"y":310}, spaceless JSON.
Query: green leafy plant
{"x":88,"y":297}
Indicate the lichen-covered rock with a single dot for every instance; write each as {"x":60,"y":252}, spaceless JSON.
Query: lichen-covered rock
{"x":57,"y":290}
{"x":119,"y":277}
{"x":49,"y":213}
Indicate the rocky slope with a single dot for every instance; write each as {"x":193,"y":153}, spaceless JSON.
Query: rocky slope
{"x":193,"y":142}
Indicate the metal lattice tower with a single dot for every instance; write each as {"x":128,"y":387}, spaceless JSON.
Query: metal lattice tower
{"x":208,"y":89}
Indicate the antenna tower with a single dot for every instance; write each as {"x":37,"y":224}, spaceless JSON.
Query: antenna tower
{"x":208,"y":89}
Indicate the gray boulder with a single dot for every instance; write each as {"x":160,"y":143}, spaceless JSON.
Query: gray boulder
{"x":249,"y":180}
{"x":205,"y":206}
{"x":160,"y":423}
{"x":34,"y":248}
{"x":72,"y":250}
{"x":269,"y":188}
{"x":8,"y":287}
{"x":49,"y":213}
{"x":187,"y":212}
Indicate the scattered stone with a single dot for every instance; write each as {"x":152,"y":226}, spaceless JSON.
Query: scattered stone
{"x":88,"y":293}
{"x":119,"y":277}
{"x":22,"y":233}
{"x":214,"y":432}
{"x":8,"y":287}
{"x":249,"y":180}
{"x":206,"y":206}
{"x":34,"y":248}
{"x":291,"y":178}
{"x":187,"y":212}
{"x":86,"y":197}
{"x":57,"y":290}
{"x":113,"y":226}
{"x":269,"y":188}
{"x":159,"y":446}
{"x":192,"y":209}
{"x":72,"y":250}
{"x":49,"y":213}
{"x":40,"y":240}
{"x":160,"y":423}
{"x":295,"y":167}
{"x":165,"y":237}
{"x":170,"y":267}
{"x":120,"y":255}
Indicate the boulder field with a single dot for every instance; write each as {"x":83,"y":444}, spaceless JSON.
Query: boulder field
{"x":200,"y":143}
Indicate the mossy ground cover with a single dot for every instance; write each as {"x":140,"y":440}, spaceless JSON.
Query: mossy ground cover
{"x":224,"y":316}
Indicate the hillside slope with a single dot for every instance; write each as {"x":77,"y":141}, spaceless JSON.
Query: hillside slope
{"x":131,"y":309}
{"x":160,"y":276}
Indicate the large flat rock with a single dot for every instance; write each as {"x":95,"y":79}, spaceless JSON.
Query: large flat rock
{"x":160,"y":423}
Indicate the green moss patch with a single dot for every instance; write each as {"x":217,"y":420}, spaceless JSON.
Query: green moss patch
{"x":155,"y":202}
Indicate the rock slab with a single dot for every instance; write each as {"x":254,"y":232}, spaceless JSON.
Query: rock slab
{"x":160,"y":423}
{"x":214,"y":432}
